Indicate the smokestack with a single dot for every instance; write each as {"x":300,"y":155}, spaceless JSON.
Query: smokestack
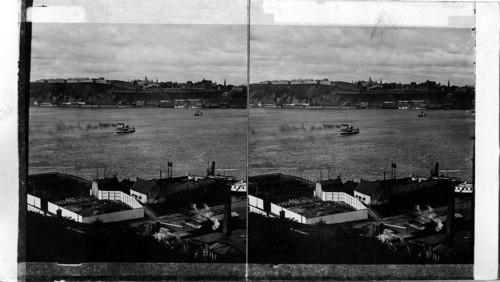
{"x":212,"y":169}
{"x":436,"y":170}
{"x":226,"y":229}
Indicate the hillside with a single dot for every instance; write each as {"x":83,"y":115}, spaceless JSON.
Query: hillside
{"x":328,"y":95}
{"x":109,"y":94}
{"x":74,"y":92}
{"x":299,"y":93}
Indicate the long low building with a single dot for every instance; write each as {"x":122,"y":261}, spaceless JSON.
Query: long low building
{"x":281,"y":195}
{"x":56,"y":194}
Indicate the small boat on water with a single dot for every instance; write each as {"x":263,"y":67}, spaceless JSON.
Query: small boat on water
{"x":198,"y":113}
{"x":465,"y":188}
{"x":348,"y":130}
{"x":240,"y":187}
{"x":124,"y":129}
{"x":422,"y":114}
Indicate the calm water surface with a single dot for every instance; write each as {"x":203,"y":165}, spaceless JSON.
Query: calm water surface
{"x":280,"y":140}
{"x":70,"y":140}
{"x":288,"y":140}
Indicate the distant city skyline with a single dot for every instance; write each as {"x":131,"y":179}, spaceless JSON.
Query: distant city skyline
{"x":400,"y":55}
{"x":170,"y":52}
{"x":375,"y":81}
{"x":149,"y":79}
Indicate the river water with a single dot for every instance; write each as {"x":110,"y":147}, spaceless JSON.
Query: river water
{"x":71,"y":140}
{"x":291,"y":141}
{"x":295,"y":141}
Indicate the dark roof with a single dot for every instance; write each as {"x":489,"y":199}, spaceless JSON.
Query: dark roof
{"x":57,"y":186}
{"x":351,"y":184}
{"x":89,"y":206}
{"x":127,"y":183}
{"x":143,"y":186}
{"x":185,"y":185}
{"x":334,"y":185}
{"x":367,"y":187}
{"x":110,"y":184}
{"x":278,"y":185}
{"x":168,"y":180}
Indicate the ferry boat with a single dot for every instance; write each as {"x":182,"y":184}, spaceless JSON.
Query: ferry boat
{"x":124,"y":129}
{"x":422,"y":114}
{"x":239,"y":187}
{"x":465,"y":188}
{"x":348,"y":130}
{"x":198,"y":113}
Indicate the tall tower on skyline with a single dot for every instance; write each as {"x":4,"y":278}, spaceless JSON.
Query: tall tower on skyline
{"x":224,"y":82}
{"x":145,"y":78}
{"x":380,"y":80}
{"x":448,"y":83}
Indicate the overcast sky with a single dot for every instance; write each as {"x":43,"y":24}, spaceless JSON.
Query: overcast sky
{"x":357,"y":53}
{"x":193,"y":52}
{"x":128,"y":51}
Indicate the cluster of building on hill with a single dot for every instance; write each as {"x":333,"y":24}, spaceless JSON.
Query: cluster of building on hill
{"x":145,"y":84}
{"x":165,"y":208}
{"x":137,"y":93}
{"x":299,"y":81}
{"x":369,"y":85}
{"x":397,"y":211}
{"x":204,"y":84}
{"x":83,"y":80}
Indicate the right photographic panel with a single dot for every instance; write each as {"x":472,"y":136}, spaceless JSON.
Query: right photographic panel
{"x":361,"y":141}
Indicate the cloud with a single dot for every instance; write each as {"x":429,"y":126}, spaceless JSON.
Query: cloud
{"x":127,"y":51}
{"x":354,"y":53}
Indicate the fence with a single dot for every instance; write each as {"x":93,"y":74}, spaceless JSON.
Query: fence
{"x":344,"y":198}
{"x":119,"y":196}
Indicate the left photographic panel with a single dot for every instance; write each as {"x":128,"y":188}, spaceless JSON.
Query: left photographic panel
{"x":137,"y":145}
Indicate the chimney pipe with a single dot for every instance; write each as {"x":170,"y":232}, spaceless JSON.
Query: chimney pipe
{"x":282,"y":214}
{"x":436,"y":169}
{"x":212,"y":169}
